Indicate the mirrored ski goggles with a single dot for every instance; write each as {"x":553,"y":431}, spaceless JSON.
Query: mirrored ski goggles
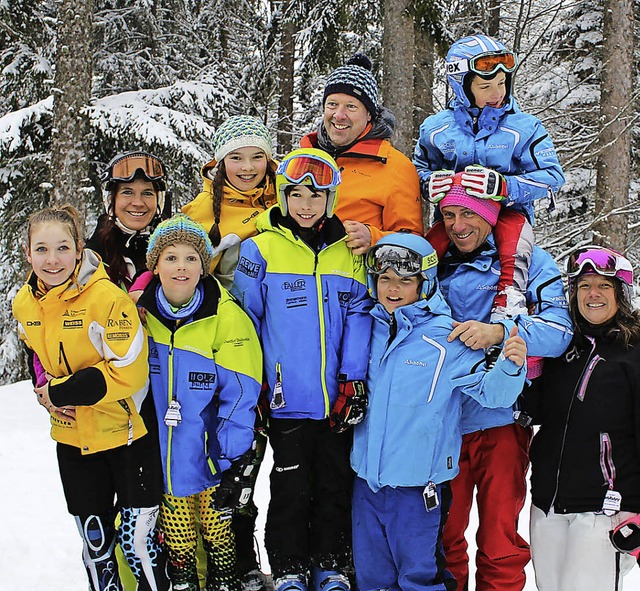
{"x":126,"y":167}
{"x":404,"y":261}
{"x":322,"y":174}
{"x":602,"y":260}
{"x":485,"y":64}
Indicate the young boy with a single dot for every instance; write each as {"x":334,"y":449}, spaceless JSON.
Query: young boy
{"x":306,"y":294}
{"x":502,"y":154}
{"x":406,"y":450}
{"x":206,"y":369}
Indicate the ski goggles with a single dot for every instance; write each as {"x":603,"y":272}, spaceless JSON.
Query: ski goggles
{"x":603,"y":261}
{"x":485,"y":64}
{"x":298,"y":168}
{"x":404,"y":261}
{"x":125,"y":168}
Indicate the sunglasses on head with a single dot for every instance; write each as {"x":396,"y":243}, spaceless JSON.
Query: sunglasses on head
{"x":602,"y":260}
{"x":125,"y":168}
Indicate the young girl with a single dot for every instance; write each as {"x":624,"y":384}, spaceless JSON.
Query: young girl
{"x":206,"y":371}
{"x":304,"y":290}
{"x":92,"y":378}
{"x":239,"y":184}
{"x":501,"y":152}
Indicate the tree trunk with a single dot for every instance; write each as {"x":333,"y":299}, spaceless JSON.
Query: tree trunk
{"x":285,"y":81}
{"x":616,"y":88}
{"x":398,"y":47}
{"x":493,"y":18}
{"x":422,"y":92}
{"x":72,"y":92}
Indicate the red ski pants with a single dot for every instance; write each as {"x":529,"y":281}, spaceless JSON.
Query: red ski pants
{"x":494,"y":461}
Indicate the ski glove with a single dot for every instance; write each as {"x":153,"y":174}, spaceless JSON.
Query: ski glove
{"x":484,"y":183}
{"x":236,"y":485}
{"x":440,"y":182}
{"x":350,"y":406}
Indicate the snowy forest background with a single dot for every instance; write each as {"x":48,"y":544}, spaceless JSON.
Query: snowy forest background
{"x":82,"y":80}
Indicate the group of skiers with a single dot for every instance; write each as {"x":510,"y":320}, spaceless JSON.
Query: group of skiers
{"x":393,"y":374}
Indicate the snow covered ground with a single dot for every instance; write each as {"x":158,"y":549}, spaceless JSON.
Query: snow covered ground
{"x":39,"y":544}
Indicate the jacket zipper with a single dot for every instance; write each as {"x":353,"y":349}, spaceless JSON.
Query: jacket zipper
{"x":170,"y":398}
{"x":323,"y":340}
{"x":606,"y":460}
{"x":62,"y":358}
{"x":579,"y":393}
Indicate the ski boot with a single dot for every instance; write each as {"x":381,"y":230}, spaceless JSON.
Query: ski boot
{"x":291,"y":583}
{"x":254,"y":580}
{"x":329,"y":580}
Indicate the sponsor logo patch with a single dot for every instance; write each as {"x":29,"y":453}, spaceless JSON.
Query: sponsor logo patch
{"x":297,"y":302}
{"x":238,"y":342}
{"x":249,"y":268}
{"x":201,"y":380}
{"x":414,"y":362}
{"x":122,"y":324}
{"x":72,"y":324}
{"x":297,"y":285}
{"x":117,"y":336}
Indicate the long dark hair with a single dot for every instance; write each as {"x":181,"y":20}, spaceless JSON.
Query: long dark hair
{"x":624,"y":327}
{"x":114,"y":242}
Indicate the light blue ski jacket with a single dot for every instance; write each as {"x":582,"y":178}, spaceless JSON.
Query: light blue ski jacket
{"x":506,"y":139}
{"x":411,"y":431}
{"x":469,"y":287}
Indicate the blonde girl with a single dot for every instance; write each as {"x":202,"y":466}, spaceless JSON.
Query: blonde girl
{"x":92,"y":378}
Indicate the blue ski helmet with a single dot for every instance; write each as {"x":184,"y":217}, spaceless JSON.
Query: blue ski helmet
{"x":408,"y":255}
{"x":481,"y":55}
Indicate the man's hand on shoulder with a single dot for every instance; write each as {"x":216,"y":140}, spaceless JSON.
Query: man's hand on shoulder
{"x":477,"y":335}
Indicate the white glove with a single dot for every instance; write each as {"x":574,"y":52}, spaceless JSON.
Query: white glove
{"x":440,"y":182}
{"x":484,"y":183}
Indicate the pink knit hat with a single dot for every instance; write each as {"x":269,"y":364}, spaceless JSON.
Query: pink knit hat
{"x":487,"y":209}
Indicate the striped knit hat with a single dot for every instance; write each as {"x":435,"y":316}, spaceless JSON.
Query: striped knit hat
{"x":241,"y":131}
{"x":180,"y":229}
{"x":355,"y":79}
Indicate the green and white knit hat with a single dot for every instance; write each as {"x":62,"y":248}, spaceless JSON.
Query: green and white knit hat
{"x":180,"y":229}
{"x":241,"y":131}
{"x":355,"y":79}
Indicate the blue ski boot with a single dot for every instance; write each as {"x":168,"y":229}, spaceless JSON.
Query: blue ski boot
{"x":290,"y":583}
{"x":329,"y":580}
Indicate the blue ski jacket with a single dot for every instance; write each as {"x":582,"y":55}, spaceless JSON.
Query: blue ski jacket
{"x":469,"y":284}
{"x":310,"y":310}
{"x":505,"y":139}
{"x":416,"y":383}
{"x":211,"y":364}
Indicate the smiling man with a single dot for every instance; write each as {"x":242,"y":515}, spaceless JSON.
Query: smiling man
{"x":495,"y":443}
{"x":380,"y":190}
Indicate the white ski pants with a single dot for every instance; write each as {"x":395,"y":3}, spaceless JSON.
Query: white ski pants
{"x":573,"y":552}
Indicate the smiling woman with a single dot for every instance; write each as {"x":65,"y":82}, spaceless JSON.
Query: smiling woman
{"x":585,"y":467}
{"x":134,"y":197}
